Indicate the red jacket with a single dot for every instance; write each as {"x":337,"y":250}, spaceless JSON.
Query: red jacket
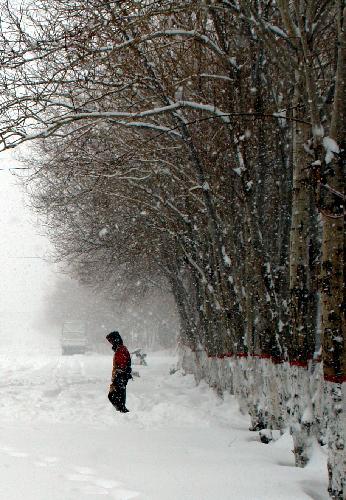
{"x":121,"y":359}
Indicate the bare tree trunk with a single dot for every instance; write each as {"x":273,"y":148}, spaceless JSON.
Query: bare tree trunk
{"x":302,"y":331}
{"x":333,"y":322}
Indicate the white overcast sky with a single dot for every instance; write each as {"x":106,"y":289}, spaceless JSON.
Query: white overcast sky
{"x":24,"y":279}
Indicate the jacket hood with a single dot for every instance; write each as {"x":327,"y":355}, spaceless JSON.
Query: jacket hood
{"x":115,"y":339}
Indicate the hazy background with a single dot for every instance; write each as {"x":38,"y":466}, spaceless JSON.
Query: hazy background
{"x":35,"y":299}
{"x":25,"y":276}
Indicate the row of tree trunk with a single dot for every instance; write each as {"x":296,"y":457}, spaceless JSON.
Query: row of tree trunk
{"x":201,"y":145}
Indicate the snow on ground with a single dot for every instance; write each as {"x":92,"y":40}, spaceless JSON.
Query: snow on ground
{"x":60,"y":439}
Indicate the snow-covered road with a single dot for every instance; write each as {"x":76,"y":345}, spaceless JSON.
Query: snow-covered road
{"x":60,"y":439}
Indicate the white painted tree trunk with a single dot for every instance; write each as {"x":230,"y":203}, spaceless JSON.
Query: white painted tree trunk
{"x":240,"y":379}
{"x":301,"y":415}
{"x":318,"y":401}
{"x":336,"y":401}
{"x":227,"y":376}
{"x":273,"y":386}
{"x":186,"y":360}
{"x":255,"y":391}
{"x":278,"y":396}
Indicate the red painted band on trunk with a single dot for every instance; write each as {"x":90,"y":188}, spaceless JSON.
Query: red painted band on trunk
{"x":317,"y":360}
{"x":229,"y":354}
{"x":297,"y":362}
{"x":337,"y":379}
{"x":277,"y":361}
{"x":220,"y":356}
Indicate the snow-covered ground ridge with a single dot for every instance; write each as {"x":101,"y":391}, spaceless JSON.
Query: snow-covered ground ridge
{"x":60,"y":439}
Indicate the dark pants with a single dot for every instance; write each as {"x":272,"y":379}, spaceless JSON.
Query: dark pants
{"x":118,"y":396}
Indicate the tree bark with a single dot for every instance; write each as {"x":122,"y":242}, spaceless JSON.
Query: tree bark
{"x":333,"y":322}
{"x":302,"y":297}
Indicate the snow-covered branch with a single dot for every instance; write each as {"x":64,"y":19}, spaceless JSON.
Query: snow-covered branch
{"x":173,"y":33}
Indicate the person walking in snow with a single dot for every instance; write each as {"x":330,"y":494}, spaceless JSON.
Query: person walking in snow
{"x":121,"y":372}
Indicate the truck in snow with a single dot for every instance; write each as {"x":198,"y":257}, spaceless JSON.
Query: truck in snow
{"x":73,"y":337}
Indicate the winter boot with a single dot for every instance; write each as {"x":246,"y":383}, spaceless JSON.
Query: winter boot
{"x":124,"y":410}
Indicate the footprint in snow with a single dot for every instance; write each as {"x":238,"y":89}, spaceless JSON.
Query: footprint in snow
{"x":100,"y":486}
{"x":18,"y":454}
{"x":124,"y":494}
{"x":83,"y":470}
{"x":47,"y":461}
{"x":5,"y":449}
{"x":12,"y":452}
{"x":52,"y":393}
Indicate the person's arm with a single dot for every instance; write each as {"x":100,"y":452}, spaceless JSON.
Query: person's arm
{"x":114,"y":366}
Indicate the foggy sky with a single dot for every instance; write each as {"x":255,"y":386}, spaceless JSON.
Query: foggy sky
{"x":24,"y":276}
